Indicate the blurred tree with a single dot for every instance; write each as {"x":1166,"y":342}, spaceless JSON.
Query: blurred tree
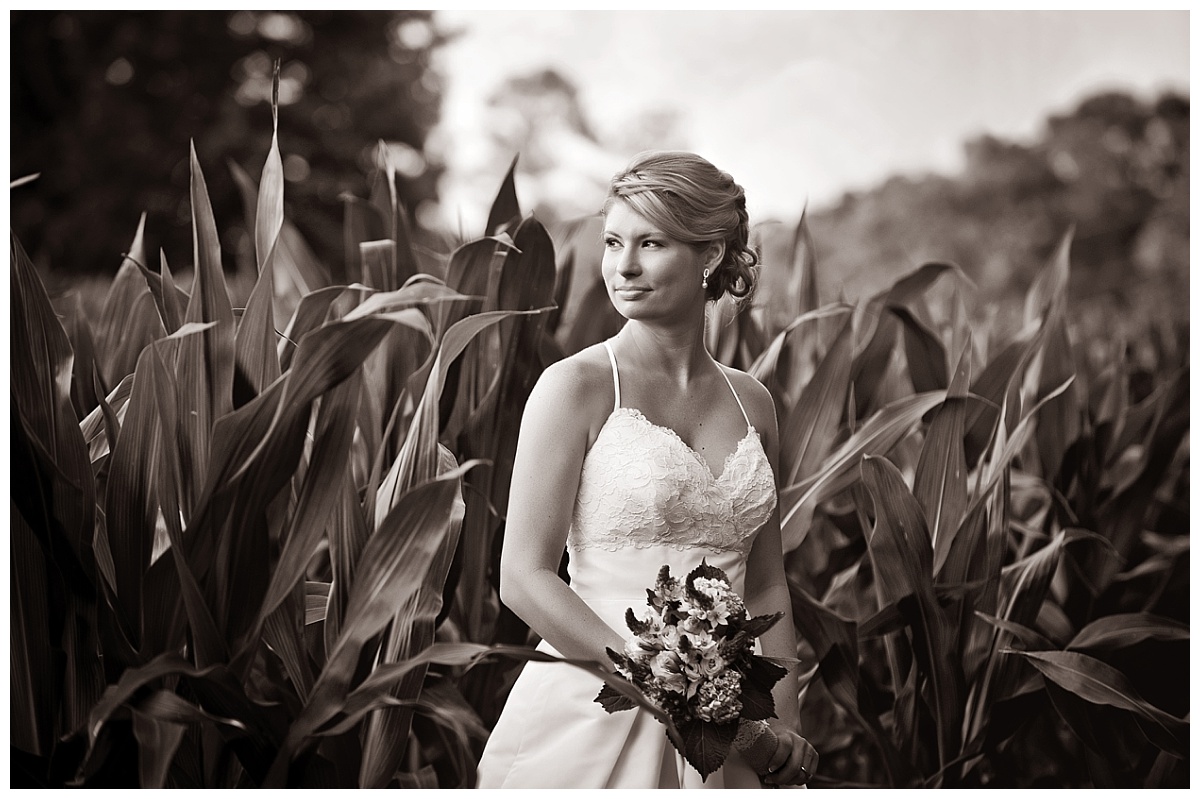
{"x":1117,"y":168}
{"x":103,"y":105}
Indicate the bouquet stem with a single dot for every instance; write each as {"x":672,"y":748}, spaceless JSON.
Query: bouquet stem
{"x":757,"y":743}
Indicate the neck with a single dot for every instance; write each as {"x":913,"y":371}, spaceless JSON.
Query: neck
{"x":677,"y":351}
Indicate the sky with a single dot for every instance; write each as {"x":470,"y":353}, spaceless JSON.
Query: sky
{"x":799,"y":106}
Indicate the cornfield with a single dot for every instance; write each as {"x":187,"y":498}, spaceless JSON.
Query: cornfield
{"x":257,"y":546}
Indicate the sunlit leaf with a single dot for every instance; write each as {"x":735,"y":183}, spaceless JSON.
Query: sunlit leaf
{"x":940,"y":481}
{"x":876,"y":436}
{"x":811,"y":427}
{"x":1126,"y":629}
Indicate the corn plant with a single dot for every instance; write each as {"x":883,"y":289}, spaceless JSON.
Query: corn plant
{"x":232,"y":571}
{"x":255,"y":543}
{"x":973,"y":539}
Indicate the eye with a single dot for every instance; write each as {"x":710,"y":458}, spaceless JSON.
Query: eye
{"x":652,"y":244}
{"x":611,"y":243}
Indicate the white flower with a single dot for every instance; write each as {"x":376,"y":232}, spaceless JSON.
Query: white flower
{"x":668,"y":670}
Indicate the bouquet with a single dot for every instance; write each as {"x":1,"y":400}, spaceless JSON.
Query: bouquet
{"x":693,"y":657}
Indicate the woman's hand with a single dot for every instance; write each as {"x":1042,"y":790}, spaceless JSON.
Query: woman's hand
{"x":794,"y":761}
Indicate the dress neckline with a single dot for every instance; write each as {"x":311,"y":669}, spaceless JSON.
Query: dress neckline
{"x":670,"y":433}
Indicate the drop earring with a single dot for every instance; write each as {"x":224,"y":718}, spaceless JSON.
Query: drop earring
{"x":704,"y":279}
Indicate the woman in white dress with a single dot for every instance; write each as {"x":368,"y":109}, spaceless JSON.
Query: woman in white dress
{"x":635,"y":453}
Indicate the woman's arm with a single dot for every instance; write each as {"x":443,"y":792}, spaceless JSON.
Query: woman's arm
{"x":795,"y":760}
{"x":554,"y":438}
{"x":766,"y":584}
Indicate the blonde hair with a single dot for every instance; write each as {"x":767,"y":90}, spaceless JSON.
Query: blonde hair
{"x":692,"y":201}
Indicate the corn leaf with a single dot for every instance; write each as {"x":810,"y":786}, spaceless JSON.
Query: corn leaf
{"x":391,"y":570}
{"x":871,"y":363}
{"x":411,"y":631}
{"x":528,"y":276}
{"x":940,"y":481}
{"x":835,"y":642}
{"x":319,"y":493}
{"x":1101,"y":684}
{"x":1049,"y":288}
{"x":268,"y":220}
{"x":505,"y":209}
{"x":97,"y":432}
{"x":838,"y":470}
{"x":810,"y":428}
{"x":924,"y":350}
{"x":378,"y":264}
{"x":1127,"y":629}
{"x":781,"y":367}
{"x":308,"y":316}
{"x":128,"y":322}
{"x":157,"y":742}
{"x":87,"y":384}
{"x":902,"y":556}
{"x":361,"y":222}
{"x":208,"y":645}
{"x":1026,"y":635}
{"x":174,"y":299}
{"x":257,"y":348}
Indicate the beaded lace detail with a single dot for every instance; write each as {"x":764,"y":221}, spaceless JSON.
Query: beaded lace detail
{"x":643,"y":486}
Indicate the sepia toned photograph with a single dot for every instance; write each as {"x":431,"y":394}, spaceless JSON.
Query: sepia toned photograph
{"x":695,"y":398}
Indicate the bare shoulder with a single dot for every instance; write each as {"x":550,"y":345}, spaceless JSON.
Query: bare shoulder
{"x":578,"y":391}
{"x":759,"y":404}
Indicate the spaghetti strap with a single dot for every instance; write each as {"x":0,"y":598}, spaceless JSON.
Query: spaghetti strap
{"x":612,"y":358}
{"x":735,"y":395}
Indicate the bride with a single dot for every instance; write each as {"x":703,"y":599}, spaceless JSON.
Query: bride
{"x":635,"y":453}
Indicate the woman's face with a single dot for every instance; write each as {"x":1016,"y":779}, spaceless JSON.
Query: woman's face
{"x":648,"y":274}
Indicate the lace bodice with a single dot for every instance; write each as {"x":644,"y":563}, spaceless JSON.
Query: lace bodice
{"x":642,"y":486}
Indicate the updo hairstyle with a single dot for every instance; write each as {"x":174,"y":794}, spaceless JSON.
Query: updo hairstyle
{"x":692,"y":201}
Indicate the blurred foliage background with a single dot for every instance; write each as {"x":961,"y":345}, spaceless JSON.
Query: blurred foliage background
{"x":104,"y":104}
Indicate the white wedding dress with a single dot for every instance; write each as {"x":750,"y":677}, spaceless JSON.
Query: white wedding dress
{"x":645,"y":499}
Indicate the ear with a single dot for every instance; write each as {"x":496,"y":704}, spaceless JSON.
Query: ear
{"x":714,"y":253}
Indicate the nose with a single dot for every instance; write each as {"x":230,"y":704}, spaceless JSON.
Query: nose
{"x":628,"y":263}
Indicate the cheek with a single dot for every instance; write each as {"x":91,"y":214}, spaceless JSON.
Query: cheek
{"x":608,"y":265}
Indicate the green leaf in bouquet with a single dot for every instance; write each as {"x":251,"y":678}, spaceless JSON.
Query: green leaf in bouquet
{"x":762,"y":672}
{"x":705,"y":745}
{"x":636,"y":625}
{"x":758,"y":625}
{"x":758,"y":704}
{"x":613,"y":701}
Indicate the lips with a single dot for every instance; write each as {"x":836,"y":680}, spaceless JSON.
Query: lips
{"x":631,"y":292}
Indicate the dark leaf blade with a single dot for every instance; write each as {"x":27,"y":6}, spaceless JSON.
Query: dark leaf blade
{"x":157,"y":742}
{"x":924,"y":351}
{"x":1101,"y":684}
{"x":505,"y":208}
{"x":902,"y":556}
{"x":760,"y":624}
{"x":706,"y":745}
{"x":613,"y":701}
{"x":757,"y":703}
